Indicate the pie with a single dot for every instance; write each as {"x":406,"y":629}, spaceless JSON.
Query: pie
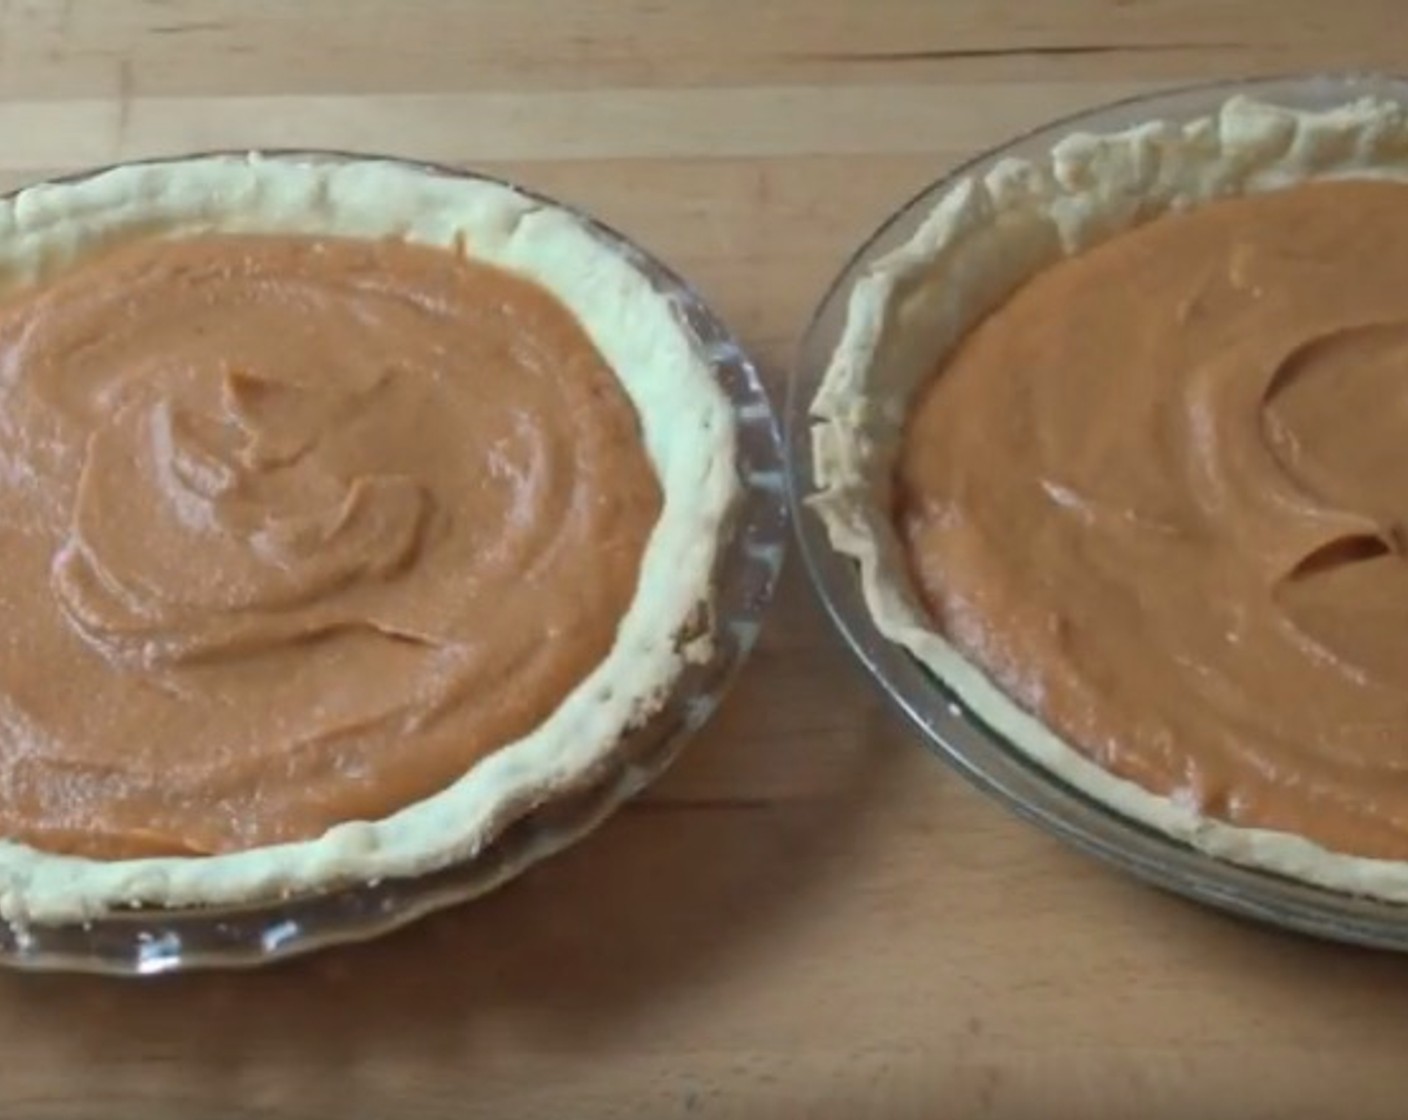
{"x":1118,"y":440}
{"x":348,"y":510}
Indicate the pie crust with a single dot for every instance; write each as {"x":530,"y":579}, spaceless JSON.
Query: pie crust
{"x":687,"y":430}
{"x":982,"y":239}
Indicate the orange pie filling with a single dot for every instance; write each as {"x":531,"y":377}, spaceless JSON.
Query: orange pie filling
{"x":1161,"y":496}
{"x":294,"y":531}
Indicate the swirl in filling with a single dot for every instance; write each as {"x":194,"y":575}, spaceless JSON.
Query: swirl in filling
{"x":1161,"y":496}
{"x":294,"y":531}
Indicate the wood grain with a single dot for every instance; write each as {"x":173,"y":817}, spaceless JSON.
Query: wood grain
{"x":810,"y":916}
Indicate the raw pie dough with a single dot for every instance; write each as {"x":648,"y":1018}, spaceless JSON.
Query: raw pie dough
{"x":982,"y":240}
{"x":686,"y":429}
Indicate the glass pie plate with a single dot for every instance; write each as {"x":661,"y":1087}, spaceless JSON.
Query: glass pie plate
{"x":150,"y":940}
{"x":990,"y":762}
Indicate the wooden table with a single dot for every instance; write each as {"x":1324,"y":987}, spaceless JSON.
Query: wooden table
{"x":810,"y":916}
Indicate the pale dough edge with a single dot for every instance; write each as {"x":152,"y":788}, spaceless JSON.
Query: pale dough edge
{"x":982,"y":238}
{"x":688,"y":429}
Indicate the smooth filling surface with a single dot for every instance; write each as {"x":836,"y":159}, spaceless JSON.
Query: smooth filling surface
{"x":1161,"y":496}
{"x":294,"y":531}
